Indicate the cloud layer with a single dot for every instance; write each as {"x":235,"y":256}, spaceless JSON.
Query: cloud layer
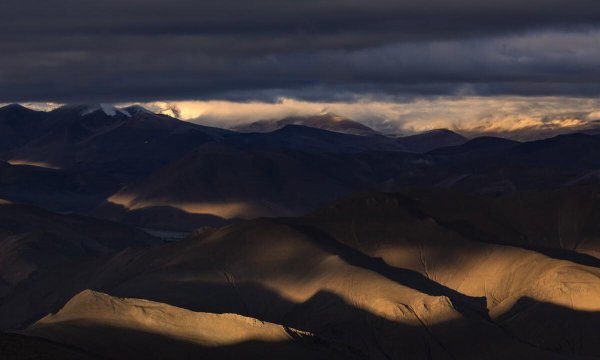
{"x":512,"y":116}
{"x":317,"y":50}
{"x":517,"y":117}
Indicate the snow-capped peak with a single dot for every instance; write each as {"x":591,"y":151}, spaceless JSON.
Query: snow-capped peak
{"x":106,"y":108}
{"x":137,"y":109}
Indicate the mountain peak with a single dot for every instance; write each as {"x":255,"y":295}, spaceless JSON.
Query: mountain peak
{"x":332,"y":116}
{"x":431,"y":140}
{"x":14,"y":107}
{"x":108,"y":109}
{"x":441,"y":131}
{"x":137,"y":109}
{"x":324,"y":121}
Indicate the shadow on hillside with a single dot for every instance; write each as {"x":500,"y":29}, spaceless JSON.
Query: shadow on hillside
{"x":551,"y":326}
{"x":467,"y":305}
{"x":532,"y":330}
{"x":129,"y":343}
{"x":467,"y":230}
{"x":160,"y":217}
{"x":20,"y":347}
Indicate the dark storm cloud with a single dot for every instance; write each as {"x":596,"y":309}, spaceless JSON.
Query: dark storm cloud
{"x":80,"y":50}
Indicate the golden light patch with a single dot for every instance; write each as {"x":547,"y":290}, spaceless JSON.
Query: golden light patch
{"x":231,"y":210}
{"x":33,"y":163}
{"x":468,"y":114}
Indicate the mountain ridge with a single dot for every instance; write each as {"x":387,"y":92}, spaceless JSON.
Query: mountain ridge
{"x":327,"y":121}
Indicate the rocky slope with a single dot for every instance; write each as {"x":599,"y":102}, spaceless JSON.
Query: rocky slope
{"x":140,"y":329}
{"x":378,"y":272}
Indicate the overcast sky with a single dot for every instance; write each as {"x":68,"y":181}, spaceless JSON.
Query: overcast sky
{"x":317,"y":50}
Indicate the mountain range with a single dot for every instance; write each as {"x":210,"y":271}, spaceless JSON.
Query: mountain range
{"x":134,"y":166}
{"x":297,"y":238}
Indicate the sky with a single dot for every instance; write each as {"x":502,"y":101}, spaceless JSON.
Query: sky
{"x":382,"y":61}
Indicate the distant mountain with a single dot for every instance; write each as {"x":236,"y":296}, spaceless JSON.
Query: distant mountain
{"x":136,"y":109}
{"x":221,"y":182}
{"x":477,"y":145}
{"x":154,"y":171}
{"x":77,"y":156}
{"x":496,"y":166}
{"x":327,"y":121}
{"x":55,"y":189}
{"x":18,"y":125}
{"x":111,"y":140}
{"x":430,"y":140}
{"x":313,"y":140}
{"x":535,"y":133}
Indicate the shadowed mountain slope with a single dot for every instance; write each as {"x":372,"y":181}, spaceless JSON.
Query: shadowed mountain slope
{"x":496,"y":166}
{"x":134,"y":166}
{"x":313,"y":140}
{"x":55,"y":189}
{"x":227,"y":182}
{"x":476,"y":146}
{"x":118,"y":143}
{"x":32,"y":238}
{"x":430,"y":140}
{"x":75,"y":157}
{"x":258,"y":175}
{"x":19,"y":125}
{"x":19,"y":347}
